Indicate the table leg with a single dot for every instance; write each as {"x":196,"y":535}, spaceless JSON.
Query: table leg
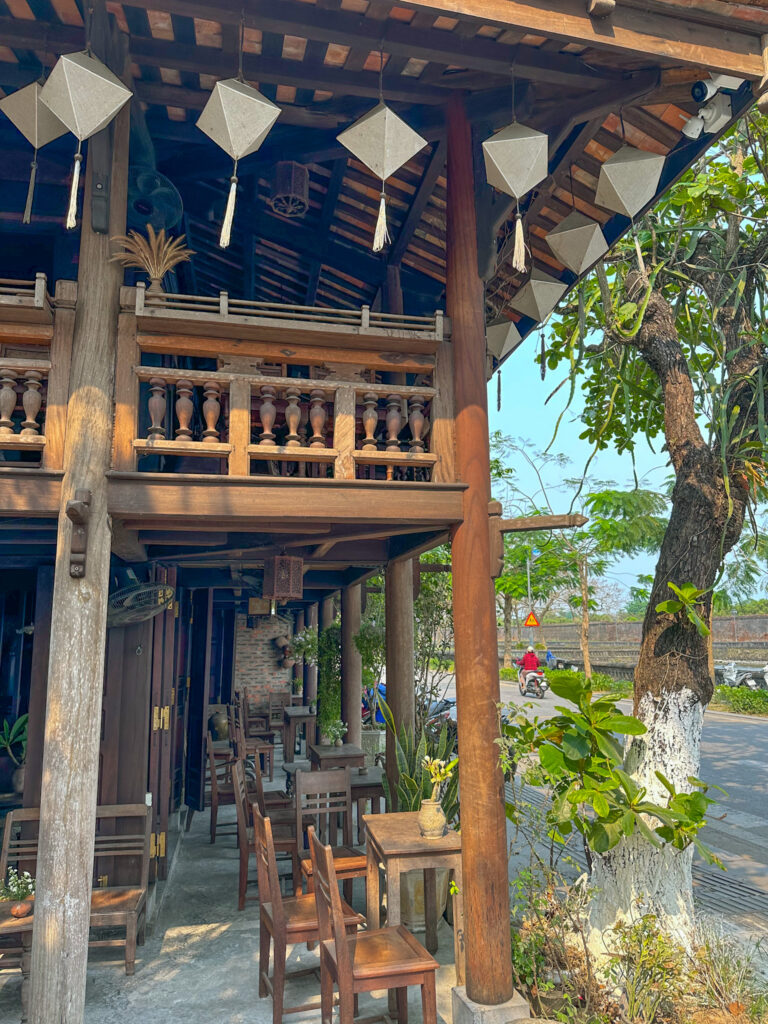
{"x":430,"y":908}
{"x":458,"y":924}
{"x":393,"y":915}
{"x":373,"y":896}
{"x":26,"y":960}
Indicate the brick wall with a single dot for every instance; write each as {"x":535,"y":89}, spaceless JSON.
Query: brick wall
{"x":257,"y":660}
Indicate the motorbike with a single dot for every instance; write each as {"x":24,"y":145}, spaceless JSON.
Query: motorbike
{"x":532,"y":682}
{"x":750,"y":678}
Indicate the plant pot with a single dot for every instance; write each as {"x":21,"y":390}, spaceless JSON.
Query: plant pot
{"x":21,"y":909}
{"x":412,"y":897}
{"x":431,"y":819}
{"x":325,"y":741}
{"x":18,"y":779}
{"x":373,"y":742}
{"x":339,"y":743}
{"x":154,"y":295}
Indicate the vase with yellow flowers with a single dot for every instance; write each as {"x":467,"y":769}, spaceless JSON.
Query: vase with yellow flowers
{"x":431,"y":815}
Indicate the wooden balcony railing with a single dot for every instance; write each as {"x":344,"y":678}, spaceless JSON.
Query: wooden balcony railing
{"x":21,"y":300}
{"x":23,"y":395}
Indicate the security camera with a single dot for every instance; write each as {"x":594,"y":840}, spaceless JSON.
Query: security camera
{"x":711,"y":118}
{"x":706,"y":89}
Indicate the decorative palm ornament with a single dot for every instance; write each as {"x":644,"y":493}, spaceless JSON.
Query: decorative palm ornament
{"x":37,"y":124}
{"x":84,"y":95}
{"x":516,"y":160}
{"x":501,"y":338}
{"x":577,"y":241}
{"x":238,"y":118}
{"x":629,"y":180}
{"x":539,"y":295}
{"x":384,"y":143}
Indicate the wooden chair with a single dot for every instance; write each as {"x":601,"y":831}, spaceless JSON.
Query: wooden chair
{"x":255,"y":719}
{"x":125,"y":851}
{"x":258,"y":749}
{"x":222,"y":787}
{"x":277,"y":702}
{"x":284,"y":922}
{"x":321,"y":799}
{"x":388,"y":958}
{"x":283,"y":831}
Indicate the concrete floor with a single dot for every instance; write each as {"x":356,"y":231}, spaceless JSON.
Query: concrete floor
{"x":200,"y":962}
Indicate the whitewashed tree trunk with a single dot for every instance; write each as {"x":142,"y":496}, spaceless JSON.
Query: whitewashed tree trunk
{"x":635,"y":877}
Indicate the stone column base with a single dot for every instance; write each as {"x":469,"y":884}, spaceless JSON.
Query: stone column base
{"x":466,"y":1011}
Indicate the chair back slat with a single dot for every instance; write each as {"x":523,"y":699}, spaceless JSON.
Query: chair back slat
{"x":241,"y":800}
{"x":278,"y":701}
{"x":330,"y":916}
{"x":322,"y":798}
{"x":266,"y":864}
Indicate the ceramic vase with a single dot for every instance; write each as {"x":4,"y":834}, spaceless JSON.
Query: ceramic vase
{"x":431,"y":819}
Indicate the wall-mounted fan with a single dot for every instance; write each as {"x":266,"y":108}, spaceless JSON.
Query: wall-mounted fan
{"x":152,"y":199}
{"x":137,"y":601}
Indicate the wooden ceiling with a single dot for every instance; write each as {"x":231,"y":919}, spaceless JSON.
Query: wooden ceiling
{"x":319,"y":60}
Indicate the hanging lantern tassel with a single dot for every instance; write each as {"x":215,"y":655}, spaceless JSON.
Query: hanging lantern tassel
{"x":30,"y":191}
{"x":72,"y":211}
{"x":498,"y":390}
{"x":229,"y":213}
{"x":381,"y":235}
{"x":518,"y":253}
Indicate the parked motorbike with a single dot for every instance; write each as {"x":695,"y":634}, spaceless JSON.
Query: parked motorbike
{"x":751,"y":678}
{"x":532,"y":683}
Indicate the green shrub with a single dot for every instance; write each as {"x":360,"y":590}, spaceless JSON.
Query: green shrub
{"x":507,"y":674}
{"x":741,"y":700}
{"x":648,"y":966}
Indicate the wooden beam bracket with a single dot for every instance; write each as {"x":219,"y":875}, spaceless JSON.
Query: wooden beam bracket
{"x":600,"y":8}
{"x":522,"y":524}
{"x":79,"y":511}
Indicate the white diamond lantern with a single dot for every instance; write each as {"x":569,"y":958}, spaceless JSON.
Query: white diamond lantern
{"x":539,"y":295}
{"x":501,"y":338}
{"x":629,"y":180}
{"x":238,"y":118}
{"x":577,"y":241}
{"x":37,"y":124}
{"x":516,"y":159}
{"x":85,"y":95}
{"x":383,"y":142}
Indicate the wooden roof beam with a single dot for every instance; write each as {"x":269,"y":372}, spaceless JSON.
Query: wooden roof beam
{"x":335,"y":182}
{"x":676,"y":37}
{"x":426,"y":187}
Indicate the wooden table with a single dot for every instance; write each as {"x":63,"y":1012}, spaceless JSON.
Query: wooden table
{"x":23,"y":927}
{"x":293,"y":718}
{"x":395,"y":841}
{"x":347,"y":755}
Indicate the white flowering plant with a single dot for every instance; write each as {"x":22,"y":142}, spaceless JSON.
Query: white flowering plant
{"x":17,"y":886}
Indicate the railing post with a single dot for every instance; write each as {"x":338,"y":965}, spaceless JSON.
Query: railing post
{"x":344,"y":432}
{"x":239,"y":426}
{"x":40,"y":290}
{"x":126,"y":394}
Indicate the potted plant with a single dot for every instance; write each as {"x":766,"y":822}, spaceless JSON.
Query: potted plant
{"x":156,"y":255}
{"x":13,"y":740}
{"x":431,"y":813}
{"x":334,"y":732}
{"x":19,"y":890}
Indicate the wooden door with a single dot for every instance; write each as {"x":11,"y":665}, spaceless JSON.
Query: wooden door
{"x":180,"y":695}
{"x":197,"y":714}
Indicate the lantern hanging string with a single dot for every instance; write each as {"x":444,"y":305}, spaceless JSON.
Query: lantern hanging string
{"x":229,"y":214}
{"x":381,"y":234}
{"x":241,"y":47}
{"x":518,"y":250}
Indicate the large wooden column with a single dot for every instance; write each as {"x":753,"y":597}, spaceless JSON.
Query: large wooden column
{"x":310,"y":671}
{"x":398,"y":604}
{"x":327,"y":612}
{"x":351,"y":663}
{"x":298,"y":668}
{"x":78,"y":623}
{"x":483,"y":823}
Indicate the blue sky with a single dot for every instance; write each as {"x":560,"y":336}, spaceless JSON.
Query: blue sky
{"x":524,"y":415}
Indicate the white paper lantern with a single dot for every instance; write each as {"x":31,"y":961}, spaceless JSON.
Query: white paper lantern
{"x":238,"y":118}
{"x":501,"y":338}
{"x":577,"y":241}
{"x":629,"y":180}
{"x":539,"y":295}
{"x":85,"y":95}
{"x":383,"y":142}
{"x":37,"y":124}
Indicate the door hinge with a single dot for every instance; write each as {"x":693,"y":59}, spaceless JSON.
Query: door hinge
{"x":161,"y":718}
{"x":173,"y":695}
{"x":189,"y":681}
{"x":175,"y":609}
{"x":156,"y":845}
{"x":161,"y":844}
{"x":102,"y":881}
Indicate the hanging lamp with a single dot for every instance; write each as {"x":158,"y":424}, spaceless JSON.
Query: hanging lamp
{"x":384,"y":143}
{"x":501,"y":338}
{"x":84,"y":95}
{"x":237,"y":118}
{"x":629,"y":180}
{"x":577,"y":241}
{"x":539,"y":295}
{"x":37,"y":124}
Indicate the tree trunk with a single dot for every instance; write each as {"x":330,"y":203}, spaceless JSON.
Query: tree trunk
{"x":507,"y":631}
{"x":584,"y":582}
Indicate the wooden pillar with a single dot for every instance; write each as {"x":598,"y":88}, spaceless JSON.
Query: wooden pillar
{"x":298,"y":668}
{"x":310,"y":671}
{"x":351,"y":663}
{"x":483,"y":822}
{"x":38,"y":686}
{"x":78,"y":623}
{"x":327,"y":612}
{"x":398,"y":602}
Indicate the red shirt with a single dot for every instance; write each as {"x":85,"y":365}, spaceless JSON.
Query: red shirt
{"x":530,"y":661}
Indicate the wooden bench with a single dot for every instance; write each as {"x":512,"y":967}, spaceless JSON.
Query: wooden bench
{"x":121,"y":848}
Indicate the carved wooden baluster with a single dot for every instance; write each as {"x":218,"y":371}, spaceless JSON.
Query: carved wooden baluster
{"x":32,"y":401}
{"x":185,"y":408}
{"x":394,"y":422}
{"x":317,"y":418}
{"x":211,"y":411}
{"x":267,"y":413}
{"x":7,"y":401}
{"x":293,"y":416}
{"x":156,"y":406}
{"x":416,"y":420}
{"x":370,"y":419}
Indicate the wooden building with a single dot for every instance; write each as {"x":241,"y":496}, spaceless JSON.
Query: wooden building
{"x":295,"y":392}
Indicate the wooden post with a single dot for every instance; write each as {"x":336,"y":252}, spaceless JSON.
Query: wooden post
{"x":344,"y":432}
{"x":239,"y":427}
{"x":298,"y":668}
{"x":327,"y":612}
{"x":38,"y":685}
{"x":351,"y":663}
{"x":310,"y":671}
{"x":483,"y":822}
{"x":398,"y":602}
{"x":58,"y":381}
{"x":78,"y":625}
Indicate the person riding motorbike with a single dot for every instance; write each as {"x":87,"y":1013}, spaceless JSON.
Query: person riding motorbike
{"x":529,"y":664}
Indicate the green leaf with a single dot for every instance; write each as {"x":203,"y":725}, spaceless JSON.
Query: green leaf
{"x":575,"y":746}
{"x":670,"y":607}
{"x":552,"y":760}
{"x":627,"y":725}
